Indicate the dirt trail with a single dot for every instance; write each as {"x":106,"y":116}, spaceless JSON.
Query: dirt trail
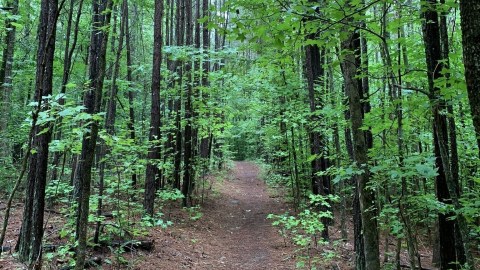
{"x":233,"y":233}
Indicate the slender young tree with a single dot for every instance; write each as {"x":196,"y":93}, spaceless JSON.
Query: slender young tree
{"x":169,"y":112}
{"x":6,"y":72}
{"x":188,"y":135}
{"x":31,"y":234}
{"x":110,"y":119}
{"x":101,"y":14}
{"x":154,"y":154}
{"x":180,"y":39}
{"x":131,"y":109}
{"x":205,"y":141}
{"x":70,"y":46}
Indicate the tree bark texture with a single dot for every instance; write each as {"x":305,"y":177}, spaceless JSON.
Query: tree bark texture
{"x":447,"y":190}
{"x":154,"y":153}
{"x":177,"y":104}
{"x":101,"y":14}
{"x":315,"y":74}
{"x":205,"y":141}
{"x":360,"y":150}
{"x":188,"y":135}
{"x":131,"y":95}
{"x":470,"y":22}
{"x":6,"y":79}
{"x":31,"y":234}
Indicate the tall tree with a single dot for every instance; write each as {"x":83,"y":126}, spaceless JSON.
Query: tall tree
{"x":6,"y":72}
{"x":154,"y":153}
{"x":110,"y":118}
{"x":470,"y":21}
{"x":101,"y":14}
{"x":180,"y":39}
{"x":131,"y":109}
{"x":315,"y":73}
{"x":188,"y":135}
{"x":31,"y":234}
{"x":351,"y":46}
{"x":447,"y":190}
{"x":205,"y":142}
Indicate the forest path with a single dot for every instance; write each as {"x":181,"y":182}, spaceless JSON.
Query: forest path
{"x":233,"y":233}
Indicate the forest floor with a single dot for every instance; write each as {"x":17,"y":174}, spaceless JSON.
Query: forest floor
{"x":233,"y":232}
{"x":229,"y":231}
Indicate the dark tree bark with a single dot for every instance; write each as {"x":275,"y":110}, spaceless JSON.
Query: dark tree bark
{"x":109,"y":121}
{"x":188,"y":135}
{"x":470,"y":14}
{"x":219,"y":43}
{"x":197,"y":80}
{"x":315,"y":73}
{"x":6,"y":72}
{"x":452,"y":134}
{"x":282,"y":147}
{"x":359,"y":245}
{"x":31,"y":235}
{"x":177,"y":104}
{"x":447,"y":190}
{"x":101,"y":12}
{"x":360,"y":151}
{"x":154,"y":154}
{"x":169,"y":114}
{"x":131,"y":111}
{"x":205,"y":141}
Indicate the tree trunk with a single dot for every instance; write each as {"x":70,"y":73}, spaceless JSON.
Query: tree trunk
{"x":360,"y":149}
{"x":205,"y":141}
{"x":177,"y":104}
{"x":131,"y":111}
{"x":446,"y":189}
{"x":109,"y":123}
{"x":315,"y":73}
{"x":6,"y":82}
{"x":152,"y":173}
{"x":452,"y":134}
{"x":101,"y":10}
{"x":188,"y":148}
{"x":470,"y":14}
{"x":31,"y":235}
{"x":67,"y":64}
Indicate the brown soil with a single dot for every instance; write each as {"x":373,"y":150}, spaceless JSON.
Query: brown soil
{"x":233,"y":233}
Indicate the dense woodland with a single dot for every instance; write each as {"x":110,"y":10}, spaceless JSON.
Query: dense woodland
{"x":363,"y":110}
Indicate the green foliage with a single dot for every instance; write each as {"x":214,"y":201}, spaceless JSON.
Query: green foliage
{"x":194,"y":212}
{"x":169,"y":195}
{"x":156,"y":221}
{"x":58,"y":191}
{"x":471,"y":210}
{"x":304,"y":229}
